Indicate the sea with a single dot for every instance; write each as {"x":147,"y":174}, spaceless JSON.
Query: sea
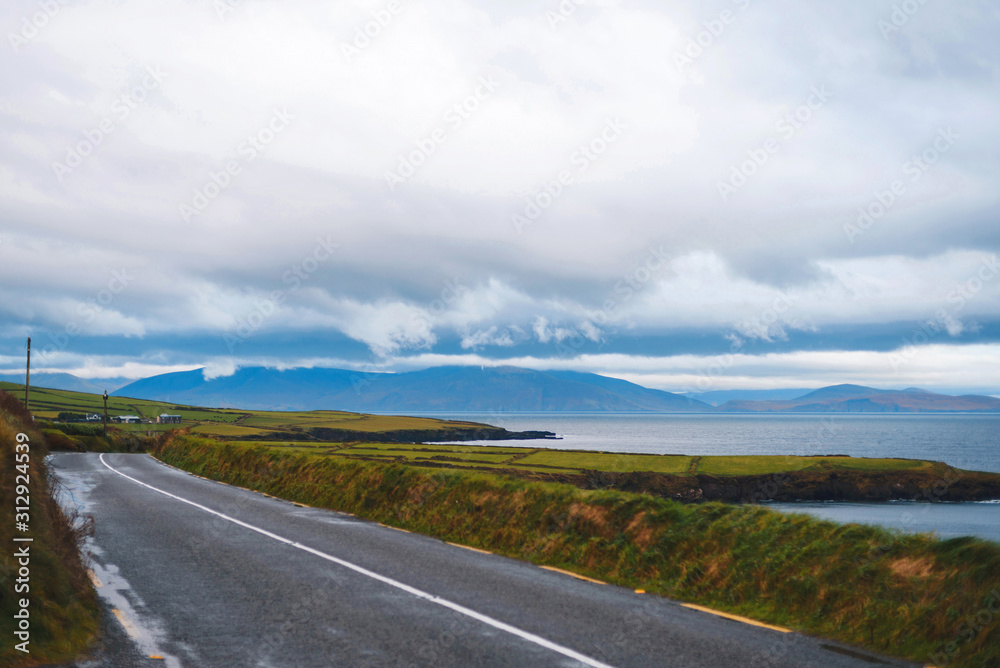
{"x":966,"y":441}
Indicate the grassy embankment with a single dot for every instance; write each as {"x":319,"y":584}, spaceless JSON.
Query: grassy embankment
{"x":63,"y":607}
{"x":907,"y":595}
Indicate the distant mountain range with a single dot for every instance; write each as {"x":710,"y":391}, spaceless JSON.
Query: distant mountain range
{"x":451,"y":388}
{"x":505,"y":388}
{"x":719,"y":397}
{"x":860,"y":399}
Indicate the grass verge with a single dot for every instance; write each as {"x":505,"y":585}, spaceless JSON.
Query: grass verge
{"x":87,"y":438}
{"x":63,"y":610}
{"x":908,"y":595}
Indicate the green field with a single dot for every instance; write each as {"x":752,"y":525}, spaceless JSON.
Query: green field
{"x":576,"y":461}
{"x":46,"y":403}
{"x":219,"y":422}
{"x":607,"y":461}
{"x":756,"y":465}
{"x":225,"y":430}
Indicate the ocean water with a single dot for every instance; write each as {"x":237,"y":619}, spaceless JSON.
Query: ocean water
{"x":947,"y":520}
{"x":967,"y":441}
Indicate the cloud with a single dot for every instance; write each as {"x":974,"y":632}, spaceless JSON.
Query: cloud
{"x":545,"y":333}
{"x":386,"y":327}
{"x":493,"y":337}
{"x":219,"y":369}
{"x":592,"y":121}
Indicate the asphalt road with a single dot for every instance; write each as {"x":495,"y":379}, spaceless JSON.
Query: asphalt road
{"x":204,"y":574}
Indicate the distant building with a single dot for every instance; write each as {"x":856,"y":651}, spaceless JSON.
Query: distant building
{"x":93,"y":417}
{"x":128,"y":419}
{"x":168,"y":419}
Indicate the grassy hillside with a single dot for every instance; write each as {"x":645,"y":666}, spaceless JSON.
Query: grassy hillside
{"x":227,"y":422}
{"x":46,"y":403}
{"x":908,"y":595}
{"x":63,"y":606}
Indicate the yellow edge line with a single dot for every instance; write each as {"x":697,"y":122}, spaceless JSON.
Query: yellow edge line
{"x":474,"y":549}
{"x":572,"y":574}
{"x":737,"y":618}
{"x":126,"y":623}
{"x":395,"y":528}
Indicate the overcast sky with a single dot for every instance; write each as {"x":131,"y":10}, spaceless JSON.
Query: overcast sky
{"x":689,"y":195}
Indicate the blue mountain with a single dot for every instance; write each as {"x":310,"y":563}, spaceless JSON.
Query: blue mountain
{"x":719,"y":397}
{"x":446,"y":389}
{"x":253,"y":387}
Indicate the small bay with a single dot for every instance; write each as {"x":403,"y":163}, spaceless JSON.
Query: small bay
{"x":966,"y":441}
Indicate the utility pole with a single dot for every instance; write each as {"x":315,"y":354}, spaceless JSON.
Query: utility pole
{"x":27,"y":377}
{"x":105,"y":414}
